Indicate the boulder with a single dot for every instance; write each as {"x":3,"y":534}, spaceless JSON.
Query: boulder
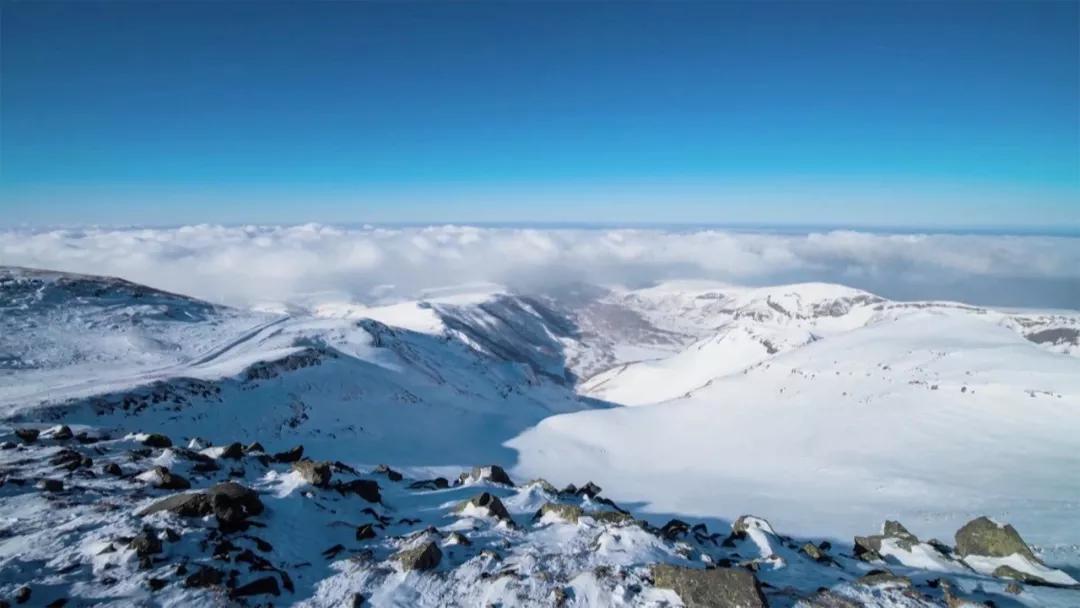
{"x":875,"y":578}
{"x":425,"y":556}
{"x":50,"y":485}
{"x":491,"y":473}
{"x":487,"y":501}
{"x":146,"y":543}
{"x":985,"y":537}
{"x":162,"y":478}
{"x":205,"y":576}
{"x":390,"y":474}
{"x":62,"y":433}
{"x":230,"y":502}
{"x":745,"y":523}
{"x":234,"y":451}
{"x":544,"y":485}
{"x":565,"y":512}
{"x":27,"y":435}
{"x":364,"y":488}
{"x":112,"y":469}
{"x":315,"y":473}
{"x":157,"y":440}
{"x":365,"y":532}
{"x":813,"y":552}
{"x":292,"y":455}
{"x":439,"y":483}
{"x":715,"y":588}
{"x":254,"y":447}
{"x":266,"y":585}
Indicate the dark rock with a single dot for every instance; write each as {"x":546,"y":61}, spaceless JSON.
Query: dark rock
{"x":439,"y":483}
{"x":315,"y":473}
{"x":490,"y":502}
{"x":357,"y":600}
{"x":365,"y":532}
{"x":492,"y":473}
{"x":590,"y":489}
{"x":1014,"y":588}
{"x":63,"y":433}
{"x":157,"y":440}
{"x":423,"y":557}
{"x":205,"y":576}
{"x":146,"y":543}
{"x":267,"y":585}
{"x":58,"y":603}
{"x":27,"y":436}
{"x":292,"y":455}
{"x":167,"y":480}
{"x":8,"y":445}
{"x":391,"y":474}
{"x":205,"y":467}
{"x":983,"y":536}
{"x":364,"y":488}
{"x":867,"y":547}
{"x":332,"y":552}
{"x":674,"y":528}
{"x":1024,"y":577}
{"x":827,"y":599}
{"x":156,"y":584}
{"x":457,"y":538}
{"x":715,"y":588}
{"x":230,"y":502}
{"x":235,"y":451}
{"x":22,"y":594}
{"x":610,"y":517}
{"x":50,"y":485}
{"x":254,"y":447}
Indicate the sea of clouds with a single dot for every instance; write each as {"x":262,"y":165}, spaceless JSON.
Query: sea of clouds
{"x":244,"y":265}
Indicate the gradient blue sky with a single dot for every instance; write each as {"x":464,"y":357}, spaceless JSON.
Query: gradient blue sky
{"x":856,"y":113}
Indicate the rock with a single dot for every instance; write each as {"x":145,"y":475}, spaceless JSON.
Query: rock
{"x":813,"y":552}
{"x":62,"y":433}
{"x":22,"y":594}
{"x":50,"y":485}
{"x":827,"y":599}
{"x":457,"y":538}
{"x":27,"y":436}
{"x":266,"y":585}
{"x":674,"y":528}
{"x":67,"y":459}
{"x":715,"y":588}
{"x":883,"y":577}
{"x":746,"y":523}
{"x":867,"y":547}
{"x":544,"y":485}
{"x":156,"y":584}
{"x":205,"y":576}
{"x":112,"y":469}
{"x":590,"y":489}
{"x":364,"y":488}
{"x":423,"y":557}
{"x":490,"y":502}
{"x":254,"y":447}
{"x":315,"y":473}
{"x":492,"y":473}
{"x":234,"y":451}
{"x":940,"y":546}
{"x":894,"y":529}
{"x":8,"y":445}
{"x":166,"y":480}
{"x":365,"y":532}
{"x":439,"y":483}
{"x":985,"y":537}
{"x":357,"y":600}
{"x":157,"y":440}
{"x":617,"y":518}
{"x":1014,"y":588}
{"x":292,"y":455}
{"x":568,"y":513}
{"x":146,"y":543}
{"x":230,"y":502}
{"x":391,"y":474}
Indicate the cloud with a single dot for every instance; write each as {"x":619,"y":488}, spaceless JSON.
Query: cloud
{"x":252,"y":264}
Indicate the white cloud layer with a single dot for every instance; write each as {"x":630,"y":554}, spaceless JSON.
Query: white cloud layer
{"x":245,"y":265}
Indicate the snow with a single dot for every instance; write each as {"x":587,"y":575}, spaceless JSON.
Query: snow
{"x":824,"y":408}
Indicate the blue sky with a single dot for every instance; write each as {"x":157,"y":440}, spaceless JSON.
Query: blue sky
{"x":876,"y":113}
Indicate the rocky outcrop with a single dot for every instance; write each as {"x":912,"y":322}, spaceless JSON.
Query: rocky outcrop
{"x":315,"y":473}
{"x":715,"y":588}
{"x":230,"y":502}
{"x":984,"y":536}
{"x":490,"y":473}
{"x":565,"y":512}
{"x":488,"y":502}
{"x":425,"y":556}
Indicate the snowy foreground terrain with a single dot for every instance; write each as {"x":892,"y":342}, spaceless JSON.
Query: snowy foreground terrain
{"x":585,"y":446}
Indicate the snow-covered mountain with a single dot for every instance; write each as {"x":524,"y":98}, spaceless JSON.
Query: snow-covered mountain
{"x":825,"y":408}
